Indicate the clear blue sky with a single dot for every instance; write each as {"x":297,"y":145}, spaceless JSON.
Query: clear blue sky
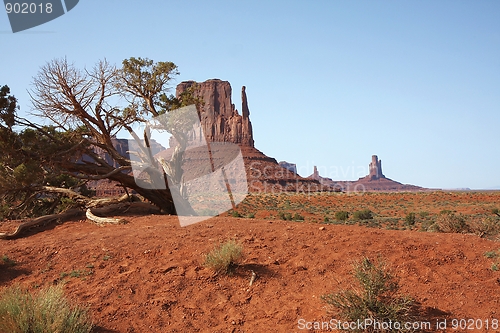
{"x":329,"y":83}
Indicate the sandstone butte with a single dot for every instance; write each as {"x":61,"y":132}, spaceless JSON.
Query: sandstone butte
{"x":222,"y":123}
{"x":374,"y":181}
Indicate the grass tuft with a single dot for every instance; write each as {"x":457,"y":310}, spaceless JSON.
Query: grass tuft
{"x":224,"y":256}
{"x":47,"y":311}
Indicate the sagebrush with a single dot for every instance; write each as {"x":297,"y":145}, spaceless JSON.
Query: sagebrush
{"x":364,"y":214}
{"x":341,"y":215}
{"x":376,"y":297}
{"x":450,"y":222}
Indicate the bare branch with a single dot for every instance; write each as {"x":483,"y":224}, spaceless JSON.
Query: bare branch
{"x":105,"y":176}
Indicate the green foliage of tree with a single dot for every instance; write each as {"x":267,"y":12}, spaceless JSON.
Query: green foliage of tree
{"x":27,"y":163}
{"x":8,"y":107}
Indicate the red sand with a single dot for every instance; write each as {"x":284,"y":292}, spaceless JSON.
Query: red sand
{"x":147,"y":276}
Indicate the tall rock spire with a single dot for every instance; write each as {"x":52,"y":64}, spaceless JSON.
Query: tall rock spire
{"x":376,"y":168}
{"x":246,"y":129}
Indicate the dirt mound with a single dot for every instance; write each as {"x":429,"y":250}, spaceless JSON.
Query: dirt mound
{"x":147,"y":276}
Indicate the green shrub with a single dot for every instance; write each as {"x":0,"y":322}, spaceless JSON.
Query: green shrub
{"x":298,"y":217}
{"x":223,"y":257}
{"x":285,"y":216}
{"x":235,"y":214}
{"x":47,"y":311}
{"x":410,"y":219}
{"x":371,"y":223}
{"x":341,"y":215}
{"x":364,"y":214}
{"x":376,"y":297}
{"x":7,"y":261}
{"x":451,"y":223}
{"x":423,"y":214}
{"x":491,"y":254}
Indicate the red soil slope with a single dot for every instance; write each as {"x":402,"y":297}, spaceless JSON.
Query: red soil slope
{"x":147,"y":276}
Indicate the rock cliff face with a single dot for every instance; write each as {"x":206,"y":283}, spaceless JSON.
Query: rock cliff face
{"x":220,"y":120}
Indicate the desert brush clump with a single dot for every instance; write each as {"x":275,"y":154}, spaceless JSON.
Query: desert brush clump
{"x":224,"y":256}
{"x":285,"y":216}
{"x":235,"y":213}
{"x":484,"y":226}
{"x":298,"y":217}
{"x":375,"y":297}
{"x":364,"y":214}
{"x":47,"y":311}
{"x":289,"y":217}
{"x":450,"y":222}
{"x":341,"y":215}
{"x":410,"y":219}
{"x":492,"y":254}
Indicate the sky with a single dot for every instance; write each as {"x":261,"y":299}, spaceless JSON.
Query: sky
{"x":329,"y":83}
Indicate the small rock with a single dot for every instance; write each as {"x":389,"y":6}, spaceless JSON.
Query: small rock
{"x":321,"y":228}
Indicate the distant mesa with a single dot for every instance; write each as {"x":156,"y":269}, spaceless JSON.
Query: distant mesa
{"x":374,"y":181}
{"x":289,"y":166}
